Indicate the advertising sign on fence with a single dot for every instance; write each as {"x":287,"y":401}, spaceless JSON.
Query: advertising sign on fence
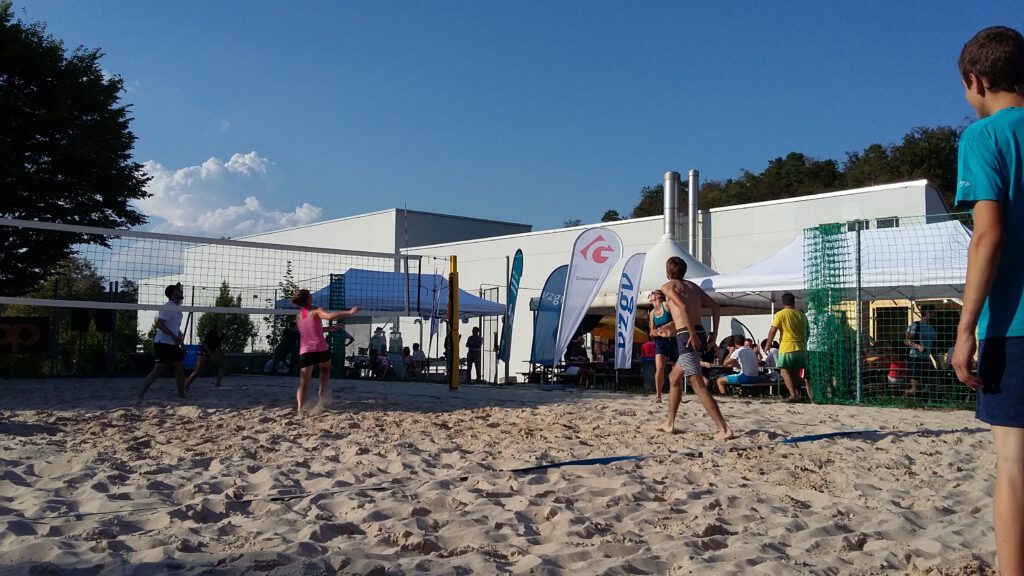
{"x":24,"y":334}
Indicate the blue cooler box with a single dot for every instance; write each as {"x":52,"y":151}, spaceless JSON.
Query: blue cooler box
{"x":191,"y":356}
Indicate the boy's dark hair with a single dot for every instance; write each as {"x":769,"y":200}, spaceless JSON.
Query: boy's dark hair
{"x":788,"y":299}
{"x":171,"y":288}
{"x":301,"y":297}
{"x":738,"y":340}
{"x":675,"y":268}
{"x":996,"y":55}
{"x":926,"y":309}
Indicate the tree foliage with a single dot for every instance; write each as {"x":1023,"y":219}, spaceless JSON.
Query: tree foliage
{"x":611,"y":216}
{"x":571,"y":222}
{"x":239,"y":329}
{"x":924,"y":153}
{"x":652,"y":202}
{"x":276,"y":323}
{"x":65,"y":149}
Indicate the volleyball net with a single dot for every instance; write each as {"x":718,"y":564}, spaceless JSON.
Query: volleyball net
{"x":83,"y":300}
{"x":883,"y":300}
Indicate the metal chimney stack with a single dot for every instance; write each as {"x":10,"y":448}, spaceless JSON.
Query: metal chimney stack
{"x":671,"y":202}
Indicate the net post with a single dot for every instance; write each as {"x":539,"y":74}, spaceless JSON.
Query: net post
{"x":860,"y":323}
{"x":455,"y":371}
{"x":336,"y":301}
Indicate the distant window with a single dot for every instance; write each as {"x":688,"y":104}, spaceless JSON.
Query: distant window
{"x":854,"y":225}
{"x":890,"y":222}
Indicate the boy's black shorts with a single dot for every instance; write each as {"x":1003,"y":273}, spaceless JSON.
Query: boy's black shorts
{"x":168,"y":353}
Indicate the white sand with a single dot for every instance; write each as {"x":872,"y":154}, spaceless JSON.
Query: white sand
{"x":914,"y":498}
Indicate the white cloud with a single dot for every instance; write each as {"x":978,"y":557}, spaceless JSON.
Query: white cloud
{"x":219,"y":198}
{"x":224,"y":125}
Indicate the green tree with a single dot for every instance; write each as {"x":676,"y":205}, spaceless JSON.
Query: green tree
{"x":276,"y":323}
{"x":929,"y":153}
{"x":611,"y":216}
{"x":239,"y":329}
{"x":868,"y":168}
{"x":652,"y":202}
{"x":571,"y":222}
{"x":65,"y":150}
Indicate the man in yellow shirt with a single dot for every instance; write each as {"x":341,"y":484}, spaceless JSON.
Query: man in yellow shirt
{"x":792,"y":324}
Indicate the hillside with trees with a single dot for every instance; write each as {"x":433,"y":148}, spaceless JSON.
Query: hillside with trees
{"x":924,"y":153}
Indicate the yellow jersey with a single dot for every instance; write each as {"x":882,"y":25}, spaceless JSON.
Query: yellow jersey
{"x":793,"y":324}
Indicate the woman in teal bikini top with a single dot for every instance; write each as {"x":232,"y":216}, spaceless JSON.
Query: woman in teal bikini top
{"x":665,"y":346}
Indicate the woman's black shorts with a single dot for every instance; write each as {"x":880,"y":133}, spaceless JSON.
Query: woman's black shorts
{"x":666,"y":347}
{"x":314,"y":358}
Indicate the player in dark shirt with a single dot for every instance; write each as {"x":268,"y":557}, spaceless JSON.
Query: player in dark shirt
{"x":211,"y":350}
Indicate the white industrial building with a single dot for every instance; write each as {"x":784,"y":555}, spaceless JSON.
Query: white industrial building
{"x":727,"y":239}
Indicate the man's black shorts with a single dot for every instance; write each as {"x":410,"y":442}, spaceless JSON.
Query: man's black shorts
{"x":168,"y":353}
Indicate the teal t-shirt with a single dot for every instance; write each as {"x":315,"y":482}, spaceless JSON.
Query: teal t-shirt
{"x":991,"y":167}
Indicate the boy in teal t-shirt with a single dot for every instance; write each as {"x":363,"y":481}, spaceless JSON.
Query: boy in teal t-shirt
{"x":991,"y":182}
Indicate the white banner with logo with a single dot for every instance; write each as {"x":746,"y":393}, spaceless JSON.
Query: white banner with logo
{"x":625,"y":310}
{"x":594,"y":254}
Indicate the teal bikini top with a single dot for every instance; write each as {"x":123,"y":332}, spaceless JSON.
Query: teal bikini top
{"x":663,"y":318}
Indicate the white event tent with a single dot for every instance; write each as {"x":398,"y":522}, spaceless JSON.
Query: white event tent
{"x":917,"y":261}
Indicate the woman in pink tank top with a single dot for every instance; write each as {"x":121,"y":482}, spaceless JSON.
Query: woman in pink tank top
{"x":313,"y":348}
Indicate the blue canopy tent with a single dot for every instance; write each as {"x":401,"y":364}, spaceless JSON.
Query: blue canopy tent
{"x":386,"y":293}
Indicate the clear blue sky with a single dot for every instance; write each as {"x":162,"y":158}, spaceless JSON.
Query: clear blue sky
{"x":528,"y":111}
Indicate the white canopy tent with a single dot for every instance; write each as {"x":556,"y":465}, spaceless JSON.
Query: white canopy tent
{"x":917,"y":261}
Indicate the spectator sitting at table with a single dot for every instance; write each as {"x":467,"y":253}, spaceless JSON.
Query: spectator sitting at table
{"x":770,"y":353}
{"x":418,"y":357}
{"x":725,"y":348}
{"x":576,"y":352}
{"x":745,"y":361}
{"x":411,"y":367}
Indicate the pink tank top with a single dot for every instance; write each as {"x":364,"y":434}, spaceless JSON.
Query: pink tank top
{"x":311,"y":333}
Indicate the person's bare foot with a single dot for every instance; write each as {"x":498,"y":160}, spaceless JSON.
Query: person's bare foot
{"x":667,"y":429}
{"x":724,"y":435}
{"x":657,"y":398}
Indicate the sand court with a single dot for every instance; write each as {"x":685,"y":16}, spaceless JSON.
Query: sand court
{"x":402,"y":478}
